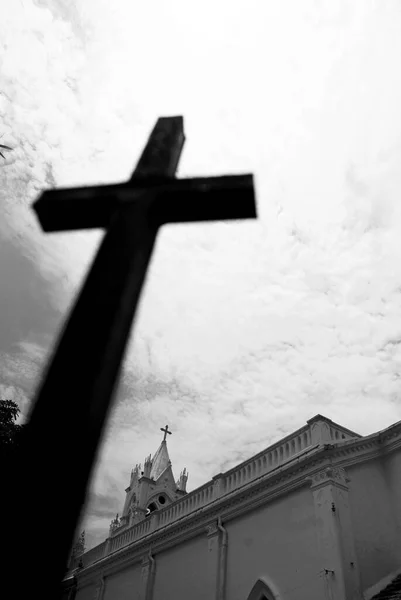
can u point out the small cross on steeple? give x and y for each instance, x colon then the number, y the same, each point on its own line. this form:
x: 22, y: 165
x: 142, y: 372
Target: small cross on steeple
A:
x: 166, y: 431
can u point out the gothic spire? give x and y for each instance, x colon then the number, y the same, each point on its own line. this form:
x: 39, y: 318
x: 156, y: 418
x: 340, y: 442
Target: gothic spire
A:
x: 161, y: 460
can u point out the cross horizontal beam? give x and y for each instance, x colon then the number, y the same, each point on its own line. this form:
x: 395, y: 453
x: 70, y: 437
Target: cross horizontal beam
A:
x: 175, y: 201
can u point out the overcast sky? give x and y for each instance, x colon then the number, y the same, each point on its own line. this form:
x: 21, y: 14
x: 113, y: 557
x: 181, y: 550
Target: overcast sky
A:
x: 245, y: 329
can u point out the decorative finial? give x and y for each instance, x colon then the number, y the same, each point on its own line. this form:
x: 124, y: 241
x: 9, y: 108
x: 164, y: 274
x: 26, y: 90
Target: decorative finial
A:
x: 166, y: 431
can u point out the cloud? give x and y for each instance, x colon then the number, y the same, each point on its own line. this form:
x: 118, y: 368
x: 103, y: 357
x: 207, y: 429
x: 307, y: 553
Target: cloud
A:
x: 245, y: 330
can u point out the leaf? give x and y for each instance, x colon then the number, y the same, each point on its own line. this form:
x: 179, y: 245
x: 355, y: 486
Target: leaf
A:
x: 6, y: 147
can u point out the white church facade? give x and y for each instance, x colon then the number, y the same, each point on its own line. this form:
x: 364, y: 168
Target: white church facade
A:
x: 314, y: 516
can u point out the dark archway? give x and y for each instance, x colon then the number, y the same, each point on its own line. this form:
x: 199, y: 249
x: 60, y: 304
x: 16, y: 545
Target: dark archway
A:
x: 261, y: 591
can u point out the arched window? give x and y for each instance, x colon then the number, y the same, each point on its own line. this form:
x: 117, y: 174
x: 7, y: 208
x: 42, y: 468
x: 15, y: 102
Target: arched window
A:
x: 261, y: 591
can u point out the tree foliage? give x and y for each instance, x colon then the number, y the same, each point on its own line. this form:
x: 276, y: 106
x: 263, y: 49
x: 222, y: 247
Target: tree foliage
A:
x: 10, y: 432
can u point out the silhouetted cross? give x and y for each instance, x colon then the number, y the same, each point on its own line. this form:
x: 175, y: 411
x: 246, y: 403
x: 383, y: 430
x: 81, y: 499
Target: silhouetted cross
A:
x: 72, y: 404
x: 166, y: 431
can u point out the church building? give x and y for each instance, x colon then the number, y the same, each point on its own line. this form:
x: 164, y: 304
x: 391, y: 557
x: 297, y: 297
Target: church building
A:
x: 315, y: 516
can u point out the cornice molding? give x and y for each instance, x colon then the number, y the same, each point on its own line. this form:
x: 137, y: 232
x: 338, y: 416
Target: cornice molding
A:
x: 212, y: 529
x: 329, y: 475
x: 362, y: 450
x: 389, y: 438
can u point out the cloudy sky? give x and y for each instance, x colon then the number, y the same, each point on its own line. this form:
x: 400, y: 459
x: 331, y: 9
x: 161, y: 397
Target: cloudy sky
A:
x: 245, y: 329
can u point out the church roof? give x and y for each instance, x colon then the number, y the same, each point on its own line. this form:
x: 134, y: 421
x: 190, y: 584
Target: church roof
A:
x: 390, y: 592
x: 161, y: 461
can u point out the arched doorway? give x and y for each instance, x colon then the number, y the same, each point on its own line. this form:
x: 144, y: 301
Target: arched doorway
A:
x: 261, y: 591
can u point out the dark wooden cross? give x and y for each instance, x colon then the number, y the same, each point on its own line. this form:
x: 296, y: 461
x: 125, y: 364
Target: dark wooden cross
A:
x: 73, y: 401
x: 166, y: 431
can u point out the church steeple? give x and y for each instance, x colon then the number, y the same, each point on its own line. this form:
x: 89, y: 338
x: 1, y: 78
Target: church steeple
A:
x: 152, y: 488
x: 161, y: 460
